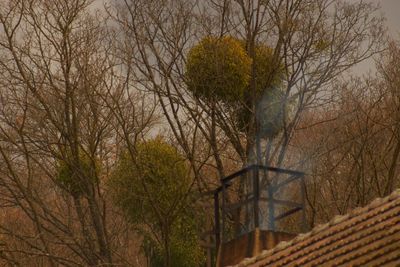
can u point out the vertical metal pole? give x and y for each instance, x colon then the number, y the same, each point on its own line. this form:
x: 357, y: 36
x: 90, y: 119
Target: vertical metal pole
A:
x: 247, y: 211
x: 222, y: 237
x: 258, y: 145
x: 217, y: 222
x: 256, y: 194
x: 271, y: 208
x: 303, y: 203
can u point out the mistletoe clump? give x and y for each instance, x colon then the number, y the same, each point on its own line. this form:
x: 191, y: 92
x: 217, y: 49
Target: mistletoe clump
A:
x: 218, y: 69
x: 76, y: 176
x: 221, y: 69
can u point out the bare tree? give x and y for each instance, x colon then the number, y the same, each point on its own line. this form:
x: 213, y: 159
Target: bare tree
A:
x: 64, y: 111
x: 355, y: 154
x: 77, y: 90
x: 314, y: 41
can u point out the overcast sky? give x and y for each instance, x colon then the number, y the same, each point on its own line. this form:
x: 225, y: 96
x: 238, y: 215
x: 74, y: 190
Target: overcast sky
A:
x: 391, y: 9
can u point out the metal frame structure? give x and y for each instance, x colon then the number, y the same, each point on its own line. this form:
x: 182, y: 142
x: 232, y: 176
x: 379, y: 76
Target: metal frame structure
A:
x: 221, y: 208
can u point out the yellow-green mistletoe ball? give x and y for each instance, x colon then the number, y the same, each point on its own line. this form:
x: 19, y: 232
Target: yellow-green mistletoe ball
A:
x: 75, y: 178
x: 218, y: 69
x: 268, y: 74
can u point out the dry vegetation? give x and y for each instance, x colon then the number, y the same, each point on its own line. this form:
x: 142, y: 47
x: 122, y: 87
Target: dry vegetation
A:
x: 80, y: 87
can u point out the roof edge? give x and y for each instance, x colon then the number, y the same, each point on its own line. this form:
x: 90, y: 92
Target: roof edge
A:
x: 321, y: 227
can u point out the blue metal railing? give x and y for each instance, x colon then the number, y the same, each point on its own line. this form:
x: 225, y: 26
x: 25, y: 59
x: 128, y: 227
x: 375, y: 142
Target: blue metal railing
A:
x: 257, y: 177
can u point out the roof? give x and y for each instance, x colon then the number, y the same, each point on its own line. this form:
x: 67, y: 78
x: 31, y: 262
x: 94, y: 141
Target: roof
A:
x: 368, y: 236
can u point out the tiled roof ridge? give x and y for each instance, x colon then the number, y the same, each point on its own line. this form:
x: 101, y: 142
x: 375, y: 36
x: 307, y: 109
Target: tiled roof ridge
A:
x: 321, y: 227
x: 343, y: 229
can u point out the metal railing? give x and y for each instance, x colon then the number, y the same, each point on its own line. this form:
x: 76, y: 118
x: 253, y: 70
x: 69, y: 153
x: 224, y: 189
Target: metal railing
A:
x: 255, y: 190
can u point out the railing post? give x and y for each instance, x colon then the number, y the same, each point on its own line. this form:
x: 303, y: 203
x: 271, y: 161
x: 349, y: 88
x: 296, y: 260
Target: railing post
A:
x: 217, y: 222
x: 222, y: 232
x: 256, y: 194
x: 303, y: 200
x: 271, y: 208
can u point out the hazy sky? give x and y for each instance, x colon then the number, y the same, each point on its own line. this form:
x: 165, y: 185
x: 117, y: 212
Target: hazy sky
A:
x: 391, y: 9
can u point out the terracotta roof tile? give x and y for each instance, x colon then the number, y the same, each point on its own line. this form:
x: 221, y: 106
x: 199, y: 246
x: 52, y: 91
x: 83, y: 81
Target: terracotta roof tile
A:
x: 368, y: 236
